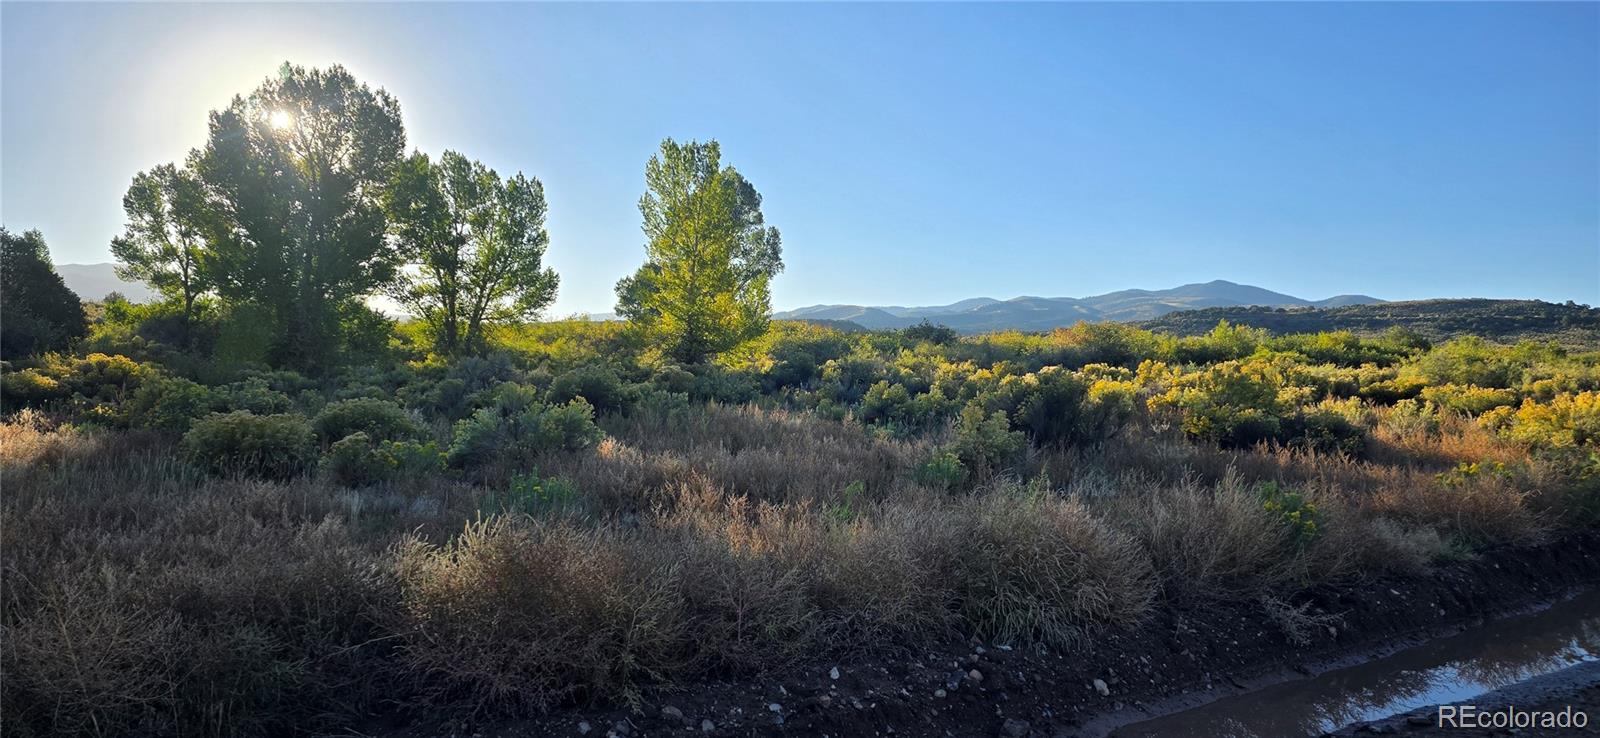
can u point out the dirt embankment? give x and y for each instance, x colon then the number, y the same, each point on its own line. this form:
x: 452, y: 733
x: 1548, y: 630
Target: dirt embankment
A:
x: 1180, y: 657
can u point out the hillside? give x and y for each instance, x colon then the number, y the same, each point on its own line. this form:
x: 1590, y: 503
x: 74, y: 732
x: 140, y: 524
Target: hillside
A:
x: 983, y: 314
x: 1496, y: 320
x: 95, y: 281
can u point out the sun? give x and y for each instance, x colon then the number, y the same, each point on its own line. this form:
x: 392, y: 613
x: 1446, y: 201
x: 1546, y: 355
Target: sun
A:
x: 280, y: 119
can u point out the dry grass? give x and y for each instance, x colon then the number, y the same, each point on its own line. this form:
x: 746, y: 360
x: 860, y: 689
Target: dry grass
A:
x: 140, y: 597
x: 1043, y: 567
x: 519, y: 615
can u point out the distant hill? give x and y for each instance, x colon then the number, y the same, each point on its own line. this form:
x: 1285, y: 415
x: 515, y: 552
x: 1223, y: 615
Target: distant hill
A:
x: 984, y: 314
x: 95, y: 281
x: 1497, y: 320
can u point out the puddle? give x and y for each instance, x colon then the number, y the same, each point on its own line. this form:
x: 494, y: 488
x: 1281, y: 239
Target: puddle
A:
x: 1446, y: 670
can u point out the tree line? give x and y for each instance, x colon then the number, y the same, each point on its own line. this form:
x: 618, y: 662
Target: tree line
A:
x: 303, y: 203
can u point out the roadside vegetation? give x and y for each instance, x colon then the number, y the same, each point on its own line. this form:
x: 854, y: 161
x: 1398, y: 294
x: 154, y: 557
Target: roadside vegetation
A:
x: 258, y: 507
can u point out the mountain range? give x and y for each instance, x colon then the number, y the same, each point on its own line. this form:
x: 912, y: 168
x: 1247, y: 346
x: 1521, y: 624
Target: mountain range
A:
x: 95, y: 281
x: 972, y: 315
x: 982, y: 314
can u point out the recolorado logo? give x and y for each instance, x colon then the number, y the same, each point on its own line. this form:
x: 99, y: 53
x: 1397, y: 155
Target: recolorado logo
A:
x: 1469, y: 716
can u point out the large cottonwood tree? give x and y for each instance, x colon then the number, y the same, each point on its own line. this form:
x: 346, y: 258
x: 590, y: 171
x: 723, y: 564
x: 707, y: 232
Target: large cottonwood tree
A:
x: 710, y: 258
x: 296, y: 172
x: 474, y: 245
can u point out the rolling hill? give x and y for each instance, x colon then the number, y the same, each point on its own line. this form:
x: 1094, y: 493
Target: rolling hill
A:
x: 982, y: 314
x: 1496, y: 320
x: 95, y: 281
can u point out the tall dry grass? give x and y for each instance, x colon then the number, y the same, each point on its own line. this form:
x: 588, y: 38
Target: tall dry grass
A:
x: 142, y: 597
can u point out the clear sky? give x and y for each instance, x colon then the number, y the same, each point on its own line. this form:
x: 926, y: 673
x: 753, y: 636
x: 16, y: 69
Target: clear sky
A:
x: 911, y: 154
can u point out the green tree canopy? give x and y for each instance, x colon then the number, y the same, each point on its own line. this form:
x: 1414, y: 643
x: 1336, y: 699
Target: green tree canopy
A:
x: 165, y: 238
x: 296, y: 173
x: 37, y: 311
x: 476, y: 246
x: 710, y: 258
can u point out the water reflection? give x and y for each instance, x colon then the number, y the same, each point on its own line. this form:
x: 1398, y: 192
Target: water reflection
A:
x: 1447, y: 670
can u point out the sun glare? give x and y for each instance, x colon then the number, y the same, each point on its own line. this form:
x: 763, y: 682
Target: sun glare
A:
x: 280, y: 119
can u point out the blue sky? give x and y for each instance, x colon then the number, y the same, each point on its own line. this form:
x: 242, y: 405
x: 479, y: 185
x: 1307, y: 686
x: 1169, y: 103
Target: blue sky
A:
x: 911, y: 154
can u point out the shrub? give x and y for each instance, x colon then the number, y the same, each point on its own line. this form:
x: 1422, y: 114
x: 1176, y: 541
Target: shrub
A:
x: 379, y: 420
x: 1211, y: 542
x: 1469, y: 399
x: 255, y: 395
x: 29, y: 388
x: 797, y: 358
x: 1044, y: 568
x: 171, y: 403
x: 886, y: 403
x: 530, y: 494
x: 1105, y: 342
x: 518, y: 427
x: 1233, y: 403
x: 1411, y: 418
x: 1291, y: 509
x: 1393, y: 390
x: 943, y: 471
x: 517, y: 615
x: 1328, y: 428
x: 986, y: 442
x: 716, y: 383
x: 353, y: 462
x: 674, y: 379
x: 106, y: 378
x: 598, y: 385
x: 270, y: 446
x: 934, y: 333
x: 1568, y: 421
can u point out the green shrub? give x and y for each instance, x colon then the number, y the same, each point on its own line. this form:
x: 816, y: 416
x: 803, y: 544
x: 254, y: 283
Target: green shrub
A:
x: 102, y: 378
x: 849, y: 507
x: 29, y: 388
x: 986, y: 442
x: 719, y: 384
x: 1469, y: 399
x: 518, y: 427
x: 411, y: 459
x: 886, y: 403
x: 598, y: 385
x: 1233, y: 403
x: 355, y: 461
x: 934, y: 333
x: 1412, y: 417
x: 674, y: 379
x: 943, y: 470
x: 532, y: 495
x: 1291, y: 508
x: 269, y: 446
x: 797, y: 358
x: 255, y: 395
x: 171, y: 403
x: 1393, y: 390
x: 1329, y: 430
x: 380, y: 420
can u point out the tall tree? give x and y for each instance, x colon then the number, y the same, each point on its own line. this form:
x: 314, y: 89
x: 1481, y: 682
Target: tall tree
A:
x: 164, y: 241
x: 476, y: 243
x: 37, y: 311
x: 709, y: 257
x: 296, y: 172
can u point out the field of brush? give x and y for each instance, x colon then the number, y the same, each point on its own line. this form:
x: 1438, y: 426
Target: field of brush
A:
x: 199, y: 549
